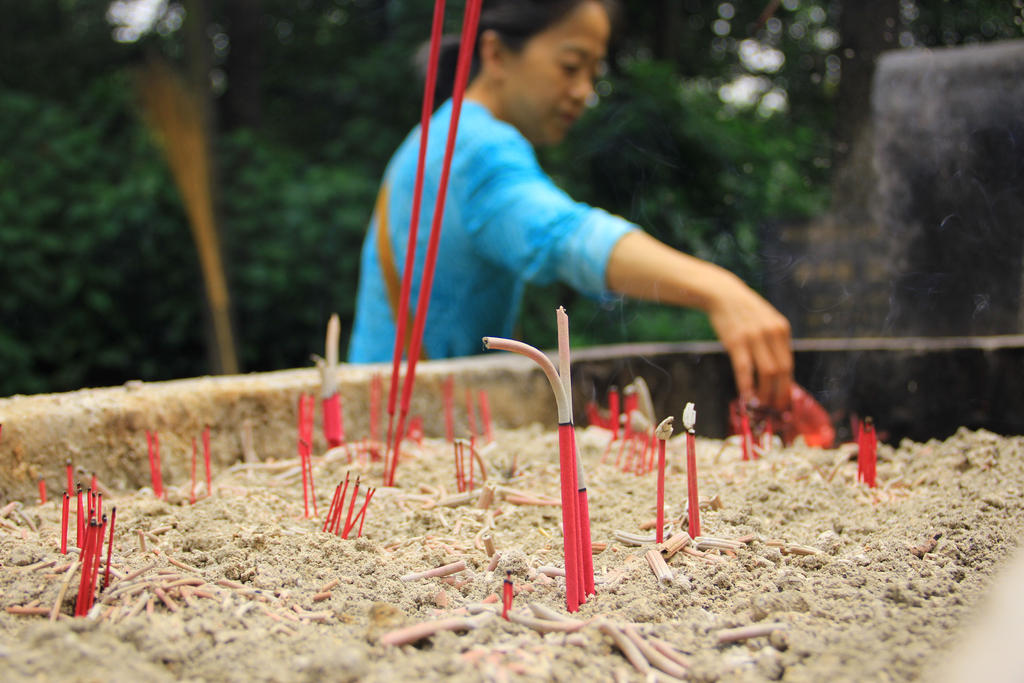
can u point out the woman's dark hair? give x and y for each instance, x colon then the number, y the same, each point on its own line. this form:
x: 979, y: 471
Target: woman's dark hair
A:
x: 515, y: 22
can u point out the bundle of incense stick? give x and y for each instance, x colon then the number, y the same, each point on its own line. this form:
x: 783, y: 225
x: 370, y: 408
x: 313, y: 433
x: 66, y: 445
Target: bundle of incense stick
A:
x: 332, y: 520
x: 466, y: 47
x: 92, y: 552
x: 579, y: 570
x: 330, y: 397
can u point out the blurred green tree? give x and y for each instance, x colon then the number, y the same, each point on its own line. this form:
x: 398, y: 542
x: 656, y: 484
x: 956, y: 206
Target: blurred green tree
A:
x: 714, y: 117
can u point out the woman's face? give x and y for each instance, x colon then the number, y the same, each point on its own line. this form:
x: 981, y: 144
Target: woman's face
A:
x: 543, y: 88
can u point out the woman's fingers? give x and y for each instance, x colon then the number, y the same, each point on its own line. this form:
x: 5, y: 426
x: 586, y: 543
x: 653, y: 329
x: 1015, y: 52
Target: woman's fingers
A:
x: 757, y: 338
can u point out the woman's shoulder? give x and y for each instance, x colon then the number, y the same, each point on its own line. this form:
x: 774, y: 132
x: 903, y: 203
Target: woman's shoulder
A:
x: 486, y: 140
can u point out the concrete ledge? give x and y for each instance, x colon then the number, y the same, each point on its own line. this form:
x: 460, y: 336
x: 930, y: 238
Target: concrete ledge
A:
x: 918, y: 387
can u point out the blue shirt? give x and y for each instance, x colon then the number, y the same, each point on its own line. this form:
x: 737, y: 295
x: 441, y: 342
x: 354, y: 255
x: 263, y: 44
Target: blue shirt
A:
x: 505, y: 225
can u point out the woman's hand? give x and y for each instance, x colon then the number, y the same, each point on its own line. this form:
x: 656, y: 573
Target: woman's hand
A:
x: 755, y: 335
x: 757, y: 339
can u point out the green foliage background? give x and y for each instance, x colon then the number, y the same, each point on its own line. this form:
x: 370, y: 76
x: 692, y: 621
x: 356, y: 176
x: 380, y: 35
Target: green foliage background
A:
x: 99, y: 278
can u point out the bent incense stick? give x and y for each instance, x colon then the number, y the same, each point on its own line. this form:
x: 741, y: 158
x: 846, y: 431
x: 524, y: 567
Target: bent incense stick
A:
x: 402, y: 314
x: 692, y: 501
x: 567, y: 462
x: 663, y: 433
x: 469, y: 25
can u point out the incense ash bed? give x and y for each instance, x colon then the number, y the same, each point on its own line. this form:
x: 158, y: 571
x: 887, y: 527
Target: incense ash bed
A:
x: 800, y: 573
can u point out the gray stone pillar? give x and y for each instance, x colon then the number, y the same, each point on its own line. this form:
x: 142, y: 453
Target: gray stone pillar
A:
x: 949, y: 157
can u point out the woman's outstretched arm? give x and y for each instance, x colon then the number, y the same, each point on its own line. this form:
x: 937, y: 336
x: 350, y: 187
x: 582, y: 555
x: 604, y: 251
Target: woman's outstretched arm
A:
x: 755, y: 335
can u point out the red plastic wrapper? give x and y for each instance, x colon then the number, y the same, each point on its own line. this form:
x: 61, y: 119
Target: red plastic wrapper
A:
x: 805, y: 417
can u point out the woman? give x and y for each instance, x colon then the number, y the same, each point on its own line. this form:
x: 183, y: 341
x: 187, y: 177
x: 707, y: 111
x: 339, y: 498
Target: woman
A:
x: 507, y: 225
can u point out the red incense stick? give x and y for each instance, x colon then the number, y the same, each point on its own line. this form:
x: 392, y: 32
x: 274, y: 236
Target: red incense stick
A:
x: 71, y: 478
x: 206, y: 461
x: 310, y: 410
x: 469, y: 25
x: 402, y: 314
x: 42, y: 491
x: 351, y: 507
x: 64, y: 511
x: 614, y: 410
x: 110, y: 546
x: 507, y: 594
x: 448, y: 391
x: 83, y: 582
x: 692, y: 500
x: 333, y: 433
x: 331, y: 508
x: 302, y: 450
x: 362, y: 513
x: 192, y: 491
x: 745, y: 434
x: 485, y: 415
x: 867, y: 452
x: 80, y: 520
x: 336, y: 522
x: 663, y: 432
x: 470, y: 414
x: 158, y: 475
x: 375, y: 407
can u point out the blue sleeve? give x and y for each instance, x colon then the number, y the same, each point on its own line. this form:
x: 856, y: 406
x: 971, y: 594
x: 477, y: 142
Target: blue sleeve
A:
x: 520, y: 220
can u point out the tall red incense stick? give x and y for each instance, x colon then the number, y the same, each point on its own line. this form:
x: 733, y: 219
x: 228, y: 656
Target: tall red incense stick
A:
x: 567, y: 464
x: 582, y: 511
x: 71, y: 478
x: 402, y: 314
x: 692, y: 500
x: 469, y: 24
x: 663, y: 432
x: 42, y: 491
